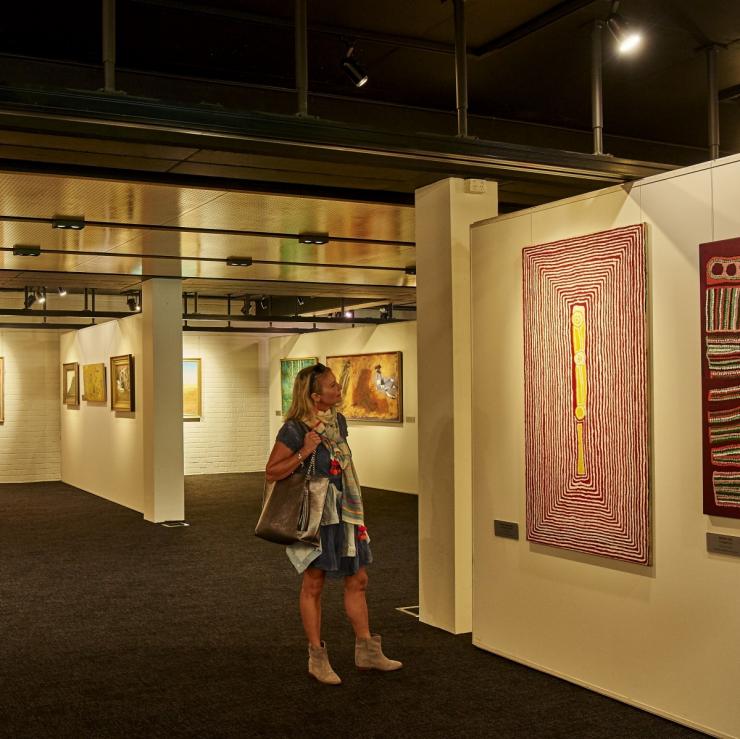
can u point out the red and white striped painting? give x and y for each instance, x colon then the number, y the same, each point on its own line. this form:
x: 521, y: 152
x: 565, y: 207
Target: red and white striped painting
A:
x: 585, y: 392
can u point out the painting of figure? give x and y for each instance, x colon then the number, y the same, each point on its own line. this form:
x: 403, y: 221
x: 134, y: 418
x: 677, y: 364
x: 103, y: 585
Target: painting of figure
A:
x: 586, y: 394
x: 122, y: 388
x: 93, y: 378
x: 371, y: 386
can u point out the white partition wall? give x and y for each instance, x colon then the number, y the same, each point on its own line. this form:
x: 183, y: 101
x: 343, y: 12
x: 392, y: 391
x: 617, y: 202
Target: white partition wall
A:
x: 663, y: 637
x: 385, y: 454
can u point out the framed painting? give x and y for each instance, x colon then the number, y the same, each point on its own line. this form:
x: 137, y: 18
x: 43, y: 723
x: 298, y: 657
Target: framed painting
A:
x: 372, y: 386
x: 586, y: 394
x: 719, y: 270
x: 2, y: 389
x: 71, y: 383
x: 122, y: 386
x: 93, y: 381
x: 191, y: 389
x: 289, y: 368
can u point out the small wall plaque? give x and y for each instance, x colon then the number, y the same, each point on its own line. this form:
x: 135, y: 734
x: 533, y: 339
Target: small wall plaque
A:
x: 723, y: 544
x: 506, y: 529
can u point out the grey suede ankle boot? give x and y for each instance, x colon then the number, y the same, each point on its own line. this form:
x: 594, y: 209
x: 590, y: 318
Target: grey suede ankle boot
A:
x: 319, y: 667
x: 369, y: 656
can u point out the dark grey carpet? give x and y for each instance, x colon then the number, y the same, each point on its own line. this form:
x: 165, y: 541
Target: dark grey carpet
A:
x: 114, y: 627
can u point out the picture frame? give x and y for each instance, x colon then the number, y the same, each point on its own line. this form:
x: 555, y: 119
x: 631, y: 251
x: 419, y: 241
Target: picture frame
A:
x: 122, y: 383
x: 289, y: 368
x: 192, y: 393
x: 372, y: 386
x: 94, y: 383
x: 71, y: 383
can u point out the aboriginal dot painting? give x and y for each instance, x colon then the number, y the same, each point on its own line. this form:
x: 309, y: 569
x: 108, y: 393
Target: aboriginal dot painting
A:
x: 719, y: 265
x: 585, y: 391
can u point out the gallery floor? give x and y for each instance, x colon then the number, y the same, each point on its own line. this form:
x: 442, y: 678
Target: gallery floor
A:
x: 114, y: 627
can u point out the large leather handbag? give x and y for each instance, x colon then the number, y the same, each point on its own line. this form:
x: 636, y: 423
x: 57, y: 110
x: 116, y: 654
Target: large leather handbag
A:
x: 292, y: 507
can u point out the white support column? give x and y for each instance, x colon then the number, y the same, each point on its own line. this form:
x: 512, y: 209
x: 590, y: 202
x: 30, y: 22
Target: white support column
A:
x: 164, y: 486
x: 444, y: 213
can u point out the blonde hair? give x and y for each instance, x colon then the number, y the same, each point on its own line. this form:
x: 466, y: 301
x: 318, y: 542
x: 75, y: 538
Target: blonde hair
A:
x: 305, y: 383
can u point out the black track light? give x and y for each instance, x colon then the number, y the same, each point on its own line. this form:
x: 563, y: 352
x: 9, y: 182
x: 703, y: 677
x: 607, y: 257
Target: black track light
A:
x: 41, y: 295
x: 353, y: 69
x: 311, y: 238
x: 68, y: 222
x: 62, y: 292
x: 627, y: 38
x: 133, y: 301
x: 30, y: 299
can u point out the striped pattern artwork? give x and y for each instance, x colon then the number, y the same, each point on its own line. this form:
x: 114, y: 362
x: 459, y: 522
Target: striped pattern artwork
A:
x: 720, y: 301
x: 585, y: 390
x: 723, y: 356
x: 726, y: 488
x: 722, y: 308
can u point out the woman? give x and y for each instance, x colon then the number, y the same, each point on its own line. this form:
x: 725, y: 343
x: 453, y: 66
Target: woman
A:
x: 313, y: 424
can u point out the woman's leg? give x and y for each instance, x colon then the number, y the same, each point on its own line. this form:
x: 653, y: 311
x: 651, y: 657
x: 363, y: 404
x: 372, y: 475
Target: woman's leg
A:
x: 310, y: 604
x: 355, y: 603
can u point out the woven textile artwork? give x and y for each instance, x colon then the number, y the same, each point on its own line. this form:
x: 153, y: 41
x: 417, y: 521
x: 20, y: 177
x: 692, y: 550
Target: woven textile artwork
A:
x: 719, y: 268
x: 585, y: 392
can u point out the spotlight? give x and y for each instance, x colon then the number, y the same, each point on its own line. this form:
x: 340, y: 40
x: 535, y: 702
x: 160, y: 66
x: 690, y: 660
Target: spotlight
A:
x: 349, y: 314
x: 62, y: 292
x: 19, y: 250
x: 30, y: 299
x: 308, y: 238
x: 244, y: 310
x: 410, y: 270
x: 353, y: 70
x: 301, y: 301
x: 41, y: 295
x: 626, y: 37
x: 68, y: 222
x: 133, y: 301
x: 239, y: 261
x: 263, y: 303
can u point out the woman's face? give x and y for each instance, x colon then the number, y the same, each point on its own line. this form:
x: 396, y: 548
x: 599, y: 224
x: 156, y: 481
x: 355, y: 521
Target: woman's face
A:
x: 328, y: 393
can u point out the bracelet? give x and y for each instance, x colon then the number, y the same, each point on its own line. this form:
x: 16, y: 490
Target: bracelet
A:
x: 300, y: 457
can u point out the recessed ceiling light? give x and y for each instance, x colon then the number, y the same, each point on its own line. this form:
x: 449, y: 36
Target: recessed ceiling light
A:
x: 239, y: 261
x: 308, y: 238
x: 75, y: 224
x: 19, y: 250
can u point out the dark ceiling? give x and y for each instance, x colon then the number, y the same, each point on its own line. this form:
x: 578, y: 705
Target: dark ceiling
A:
x: 658, y: 94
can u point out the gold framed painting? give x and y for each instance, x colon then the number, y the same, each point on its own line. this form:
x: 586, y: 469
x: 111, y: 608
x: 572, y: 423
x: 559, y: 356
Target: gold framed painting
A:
x: 122, y: 386
x: 71, y: 383
x: 372, y: 386
x: 192, y: 396
x: 93, y: 382
x: 2, y: 389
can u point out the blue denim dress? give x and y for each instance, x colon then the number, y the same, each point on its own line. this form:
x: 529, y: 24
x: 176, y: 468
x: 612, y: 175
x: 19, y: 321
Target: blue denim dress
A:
x: 332, y: 536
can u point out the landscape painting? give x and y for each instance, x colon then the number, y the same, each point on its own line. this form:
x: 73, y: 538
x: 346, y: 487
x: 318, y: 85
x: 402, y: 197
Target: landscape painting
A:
x: 289, y: 368
x: 191, y: 389
x: 71, y: 383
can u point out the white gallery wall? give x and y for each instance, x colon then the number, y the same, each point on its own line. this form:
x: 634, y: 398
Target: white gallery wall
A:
x: 663, y: 637
x: 233, y: 433
x: 102, y: 450
x: 29, y: 436
x: 385, y: 455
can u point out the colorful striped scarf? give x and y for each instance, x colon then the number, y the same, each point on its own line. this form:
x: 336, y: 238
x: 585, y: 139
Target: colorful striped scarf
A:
x: 326, y: 424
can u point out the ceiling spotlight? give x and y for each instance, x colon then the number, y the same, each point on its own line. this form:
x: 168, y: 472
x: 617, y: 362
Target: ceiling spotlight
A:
x: 68, y: 222
x: 133, y: 301
x: 308, y: 238
x: 239, y: 261
x: 62, y: 292
x: 410, y: 270
x: 41, y: 295
x: 349, y: 314
x: 352, y: 69
x: 301, y: 301
x: 263, y: 303
x: 19, y: 250
x: 30, y: 299
x: 627, y: 38
x: 249, y: 307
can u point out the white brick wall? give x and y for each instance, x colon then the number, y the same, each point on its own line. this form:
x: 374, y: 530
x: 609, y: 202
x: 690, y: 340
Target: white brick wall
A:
x: 30, y: 435
x: 233, y: 432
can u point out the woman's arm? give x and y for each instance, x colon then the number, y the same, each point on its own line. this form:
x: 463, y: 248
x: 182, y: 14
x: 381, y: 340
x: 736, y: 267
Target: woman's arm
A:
x: 284, y: 461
